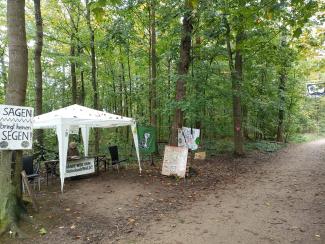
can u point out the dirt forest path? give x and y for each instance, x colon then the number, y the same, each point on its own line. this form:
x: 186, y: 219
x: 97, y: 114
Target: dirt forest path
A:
x: 283, y: 203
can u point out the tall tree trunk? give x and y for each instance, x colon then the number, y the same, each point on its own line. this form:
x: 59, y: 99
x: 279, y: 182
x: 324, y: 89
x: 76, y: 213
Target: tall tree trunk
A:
x: 245, y: 122
x: 38, y: 67
x: 282, y: 84
x: 93, y: 71
x: 114, y: 91
x: 73, y: 70
x: 120, y: 91
x: 10, y: 161
x: 81, y: 89
x: 169, y: 61
x: 130, y: 80
x: 153, y: 68
x: 149, y: 60
x: 236, y: 79
x: 126, y: 102
x: 198, y: 85
x: 280, y: 130
x: 124, y: 98
x: 185, y: 59
x: 3, y: 72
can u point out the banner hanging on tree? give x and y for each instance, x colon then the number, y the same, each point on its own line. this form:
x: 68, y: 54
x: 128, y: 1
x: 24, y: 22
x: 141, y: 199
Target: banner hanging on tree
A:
x: 147, y: 139
x: 16, y: 131
x: 316, y: 89
x: 189, y: 137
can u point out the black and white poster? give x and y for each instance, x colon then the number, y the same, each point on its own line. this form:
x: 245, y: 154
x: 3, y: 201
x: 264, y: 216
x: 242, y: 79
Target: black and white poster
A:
x: 16, y: 132
x: 81, y: 166
x: 316, y: 89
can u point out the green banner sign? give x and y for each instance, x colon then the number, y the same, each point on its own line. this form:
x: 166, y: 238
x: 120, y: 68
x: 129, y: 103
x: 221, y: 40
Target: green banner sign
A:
x: 147, y: 138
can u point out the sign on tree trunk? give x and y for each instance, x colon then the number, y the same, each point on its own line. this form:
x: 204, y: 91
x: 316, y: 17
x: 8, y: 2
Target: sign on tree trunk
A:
x: 16, y: 132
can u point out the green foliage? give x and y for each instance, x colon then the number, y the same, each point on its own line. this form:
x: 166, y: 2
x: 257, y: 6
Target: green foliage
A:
x: 264, y: 146
x: 278, y: 37
x: 301, y: 138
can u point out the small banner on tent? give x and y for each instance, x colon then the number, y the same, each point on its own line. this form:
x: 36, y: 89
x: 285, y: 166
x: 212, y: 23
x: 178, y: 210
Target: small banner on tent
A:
x: 147, y: 138
x: 189, y: 137
x: 81, y: 166
x: 175, y: 160
x: 16, y: 131
x: 74, y: 130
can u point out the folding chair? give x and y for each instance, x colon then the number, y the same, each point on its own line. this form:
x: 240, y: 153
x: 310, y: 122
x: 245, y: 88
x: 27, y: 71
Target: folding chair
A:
x: 32, y: 174
x: 113, y: 150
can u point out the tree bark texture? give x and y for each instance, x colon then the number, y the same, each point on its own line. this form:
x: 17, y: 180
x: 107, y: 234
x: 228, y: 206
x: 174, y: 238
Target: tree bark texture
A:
x: 93, y: 71
x: 10, y: 161
x: 73, y: 71
x: 237, y: 79
x: 3, y: 73
x: 153, y: 66
x: 130, y: 82
x: 153, y: 69
x: 38, y: 66
x: 282, y: 84
x: 236, y: 71
x: 281, y: 113
x: 183, y: 67
x: 81, y: 99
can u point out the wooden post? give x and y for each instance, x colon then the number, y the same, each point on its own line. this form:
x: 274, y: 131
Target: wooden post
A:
x: 29, y: 189
x: 152, y: 162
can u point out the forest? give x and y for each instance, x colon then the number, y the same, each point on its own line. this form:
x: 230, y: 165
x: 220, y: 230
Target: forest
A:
x: 237, y: 69
x: 249, y: 74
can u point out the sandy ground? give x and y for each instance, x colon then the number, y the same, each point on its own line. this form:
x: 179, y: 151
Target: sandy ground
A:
x: 263, y: 198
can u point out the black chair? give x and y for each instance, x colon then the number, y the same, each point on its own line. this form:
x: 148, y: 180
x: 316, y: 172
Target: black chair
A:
x: 31, y: 172
x: 50, y: 169
x: 113, y: 150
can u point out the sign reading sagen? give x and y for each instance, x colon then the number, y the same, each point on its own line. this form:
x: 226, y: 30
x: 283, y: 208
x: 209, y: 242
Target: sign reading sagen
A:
x: 16, y: 131
x: 80, y: 167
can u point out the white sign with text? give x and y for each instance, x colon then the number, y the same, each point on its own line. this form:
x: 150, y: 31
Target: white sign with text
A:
x: 81, y: 166
x: 16, y: 131
x: 175, y: 160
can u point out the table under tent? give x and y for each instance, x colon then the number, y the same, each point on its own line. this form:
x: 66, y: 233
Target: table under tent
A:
x: 75, y: 116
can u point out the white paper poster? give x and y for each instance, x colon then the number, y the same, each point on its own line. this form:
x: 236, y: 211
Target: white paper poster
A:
x: 188, y: 137
x: 16, y: 132
x: 175, y: 160
x: 80, y: 167
x: 74, y: 130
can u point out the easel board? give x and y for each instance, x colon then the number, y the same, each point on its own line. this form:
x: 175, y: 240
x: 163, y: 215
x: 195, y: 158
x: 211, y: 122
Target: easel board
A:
x: 29, y: 189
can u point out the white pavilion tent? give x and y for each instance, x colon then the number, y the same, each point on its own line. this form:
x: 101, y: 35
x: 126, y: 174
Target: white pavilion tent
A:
x: 75, y: 116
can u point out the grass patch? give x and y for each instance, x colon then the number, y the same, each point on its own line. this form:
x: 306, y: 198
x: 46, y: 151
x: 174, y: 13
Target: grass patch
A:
x: 301, y: 138
x: 218, y: 147
x: 264, y: 146
x: 227, y: 146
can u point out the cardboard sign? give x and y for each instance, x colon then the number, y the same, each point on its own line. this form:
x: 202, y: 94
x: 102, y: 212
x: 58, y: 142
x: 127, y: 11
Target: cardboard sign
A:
x: 175, y: 160
x: 80, y: 167
x: 16, y: 132
x: 189, y: 137
x: 200, y: 155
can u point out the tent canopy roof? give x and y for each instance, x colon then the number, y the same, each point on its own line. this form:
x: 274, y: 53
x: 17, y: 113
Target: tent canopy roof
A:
x: 76, y: 115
